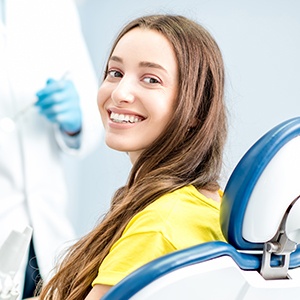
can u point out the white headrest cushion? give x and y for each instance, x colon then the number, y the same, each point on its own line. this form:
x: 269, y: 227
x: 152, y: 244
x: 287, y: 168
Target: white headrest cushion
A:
x: 277, y: 187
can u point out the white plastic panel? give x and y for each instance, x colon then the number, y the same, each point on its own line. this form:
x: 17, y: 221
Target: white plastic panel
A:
x: 293, y: 222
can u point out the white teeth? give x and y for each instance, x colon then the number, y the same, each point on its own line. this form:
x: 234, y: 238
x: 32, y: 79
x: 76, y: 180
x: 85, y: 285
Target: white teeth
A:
x: 122, y: 118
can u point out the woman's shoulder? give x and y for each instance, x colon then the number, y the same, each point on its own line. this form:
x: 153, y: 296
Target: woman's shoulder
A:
x: 187, y: 195
x: 178, y: 205
x: 181, y: 212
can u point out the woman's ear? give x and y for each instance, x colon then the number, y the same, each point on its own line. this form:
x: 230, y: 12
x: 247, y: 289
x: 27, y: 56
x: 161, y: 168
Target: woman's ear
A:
x: 194, y: 123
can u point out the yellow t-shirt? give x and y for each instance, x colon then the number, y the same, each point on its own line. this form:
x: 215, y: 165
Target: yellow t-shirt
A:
x: 175, y: 221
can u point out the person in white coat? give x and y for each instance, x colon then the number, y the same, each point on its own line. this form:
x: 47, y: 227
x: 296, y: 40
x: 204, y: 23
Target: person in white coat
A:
x: 42, y: 115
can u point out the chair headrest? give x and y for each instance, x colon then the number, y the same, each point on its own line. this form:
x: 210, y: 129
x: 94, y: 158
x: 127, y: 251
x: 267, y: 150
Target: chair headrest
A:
x: 261, y: 189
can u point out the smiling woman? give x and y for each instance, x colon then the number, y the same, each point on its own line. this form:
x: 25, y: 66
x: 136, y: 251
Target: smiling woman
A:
x: 140, y: 87
x: 161, y: 101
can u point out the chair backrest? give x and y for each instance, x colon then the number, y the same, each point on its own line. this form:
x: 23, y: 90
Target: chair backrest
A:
x: 263, y: 185
x: 261, y: 205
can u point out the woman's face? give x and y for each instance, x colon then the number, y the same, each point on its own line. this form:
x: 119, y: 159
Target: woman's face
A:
x: 137, y: 98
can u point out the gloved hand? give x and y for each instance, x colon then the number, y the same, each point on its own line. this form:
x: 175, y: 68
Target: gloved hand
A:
x: 58, y: 101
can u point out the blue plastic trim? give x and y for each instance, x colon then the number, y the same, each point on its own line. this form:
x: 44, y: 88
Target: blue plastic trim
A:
x: 244, y: 177
x: 143, y: 276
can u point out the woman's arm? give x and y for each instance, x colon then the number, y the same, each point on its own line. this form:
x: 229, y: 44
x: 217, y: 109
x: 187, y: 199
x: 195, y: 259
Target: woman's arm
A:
x: 98, y: 291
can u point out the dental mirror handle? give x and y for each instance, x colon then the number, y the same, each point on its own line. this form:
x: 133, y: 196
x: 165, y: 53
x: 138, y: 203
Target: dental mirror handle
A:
x: 27, y: 107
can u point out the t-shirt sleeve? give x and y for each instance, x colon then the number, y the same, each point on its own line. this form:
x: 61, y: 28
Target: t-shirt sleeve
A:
x: 129, y: 253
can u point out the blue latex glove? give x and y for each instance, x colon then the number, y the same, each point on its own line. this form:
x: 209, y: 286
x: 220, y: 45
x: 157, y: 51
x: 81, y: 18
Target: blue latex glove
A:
x: 58, y: 101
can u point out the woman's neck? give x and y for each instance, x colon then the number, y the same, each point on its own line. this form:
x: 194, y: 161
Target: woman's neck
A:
x: 211, y: 194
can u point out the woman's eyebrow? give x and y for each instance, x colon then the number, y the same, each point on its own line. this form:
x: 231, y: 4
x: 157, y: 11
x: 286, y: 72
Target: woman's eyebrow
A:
x: 116, y: 58
x: 152, y: 65
x: 144, y: 64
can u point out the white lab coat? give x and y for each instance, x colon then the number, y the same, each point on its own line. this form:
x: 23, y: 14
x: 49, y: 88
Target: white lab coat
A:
x: 41, y: 39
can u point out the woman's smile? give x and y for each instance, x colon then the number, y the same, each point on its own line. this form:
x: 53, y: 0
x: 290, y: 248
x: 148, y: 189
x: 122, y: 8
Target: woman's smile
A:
x: 124, y: 117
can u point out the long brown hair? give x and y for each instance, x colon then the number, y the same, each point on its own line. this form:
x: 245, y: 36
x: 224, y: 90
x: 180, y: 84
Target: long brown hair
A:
x: 189, y: 151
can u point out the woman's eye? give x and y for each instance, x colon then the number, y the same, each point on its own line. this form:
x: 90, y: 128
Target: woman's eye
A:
x: 114, y: 73
x: 151, y: 80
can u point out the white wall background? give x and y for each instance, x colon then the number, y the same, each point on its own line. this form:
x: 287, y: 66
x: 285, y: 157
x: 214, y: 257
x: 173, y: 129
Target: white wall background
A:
x: 260, y: 42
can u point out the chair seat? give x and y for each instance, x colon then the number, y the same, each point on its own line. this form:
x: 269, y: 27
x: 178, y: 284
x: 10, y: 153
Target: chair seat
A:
x: 178, y: 260
x: 216, y: 270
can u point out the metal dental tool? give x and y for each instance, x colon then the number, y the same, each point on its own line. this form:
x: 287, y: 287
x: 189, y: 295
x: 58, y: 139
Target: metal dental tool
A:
x: 7, y: 124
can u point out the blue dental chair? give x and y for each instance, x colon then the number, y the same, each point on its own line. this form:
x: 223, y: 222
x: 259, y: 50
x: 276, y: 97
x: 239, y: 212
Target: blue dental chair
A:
x: 260, y: 219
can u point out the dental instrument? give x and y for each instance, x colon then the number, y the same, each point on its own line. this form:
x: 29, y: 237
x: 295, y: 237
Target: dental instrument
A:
x: 8, y: 124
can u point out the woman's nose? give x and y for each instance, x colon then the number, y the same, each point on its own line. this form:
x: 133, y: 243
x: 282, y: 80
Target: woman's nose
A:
x: 123, y: 92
